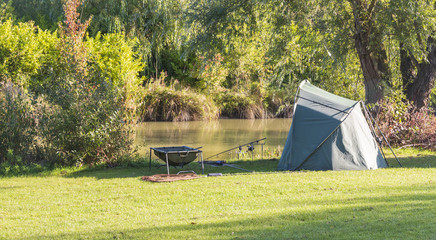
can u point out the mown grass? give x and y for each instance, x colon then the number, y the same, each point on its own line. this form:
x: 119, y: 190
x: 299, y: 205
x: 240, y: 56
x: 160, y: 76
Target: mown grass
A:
x: 393, y: 203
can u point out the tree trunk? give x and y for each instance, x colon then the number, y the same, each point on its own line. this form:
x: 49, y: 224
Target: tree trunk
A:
x: 417, y: 85
x: 372, y: 79
x: 407, y: 68
x: 372, y: 59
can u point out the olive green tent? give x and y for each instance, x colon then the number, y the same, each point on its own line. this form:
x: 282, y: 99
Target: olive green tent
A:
x: 329, y: 132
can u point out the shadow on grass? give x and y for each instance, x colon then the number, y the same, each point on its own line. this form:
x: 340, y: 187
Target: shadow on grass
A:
x: 409, y: 215
x: 413, y: 162
x: 232, y: 167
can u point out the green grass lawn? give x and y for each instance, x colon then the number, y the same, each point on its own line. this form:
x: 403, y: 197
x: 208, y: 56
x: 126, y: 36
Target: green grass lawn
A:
x: 393, y: 203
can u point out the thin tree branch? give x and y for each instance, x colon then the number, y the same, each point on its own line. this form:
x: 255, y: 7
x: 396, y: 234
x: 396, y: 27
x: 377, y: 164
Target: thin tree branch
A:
x: 371, y: 8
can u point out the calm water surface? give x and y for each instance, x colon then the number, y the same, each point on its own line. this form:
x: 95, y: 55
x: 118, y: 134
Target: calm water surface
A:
x: 213, y: 136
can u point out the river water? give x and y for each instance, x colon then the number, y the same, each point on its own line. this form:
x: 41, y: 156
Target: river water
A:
x: 214, y: 136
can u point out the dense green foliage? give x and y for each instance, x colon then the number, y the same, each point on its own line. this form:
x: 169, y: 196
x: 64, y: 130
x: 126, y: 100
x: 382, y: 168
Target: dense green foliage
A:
x: 162, y: 103
x: 172, y: 38
x: 20, y: 51
x: 209, y: 45
x: 17, y: 125
x: 64, y: 102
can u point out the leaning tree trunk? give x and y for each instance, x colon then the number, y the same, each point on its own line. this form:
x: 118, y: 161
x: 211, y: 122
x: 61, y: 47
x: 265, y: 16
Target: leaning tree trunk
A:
x: 417, y: 85
x: 372, y: 79
x: 407, y: 69
x: 372, y: 56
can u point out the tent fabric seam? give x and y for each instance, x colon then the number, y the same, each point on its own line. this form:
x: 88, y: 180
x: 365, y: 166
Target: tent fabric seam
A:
x: 325, y: 105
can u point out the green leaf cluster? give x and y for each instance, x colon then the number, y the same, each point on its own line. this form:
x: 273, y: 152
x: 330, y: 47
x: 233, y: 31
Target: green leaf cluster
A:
x: 21, y: 50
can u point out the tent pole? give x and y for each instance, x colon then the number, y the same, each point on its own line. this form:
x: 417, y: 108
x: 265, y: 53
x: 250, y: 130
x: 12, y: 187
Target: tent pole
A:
x: 149, y: 163
x: 384, y: 138
x: 383, y: 153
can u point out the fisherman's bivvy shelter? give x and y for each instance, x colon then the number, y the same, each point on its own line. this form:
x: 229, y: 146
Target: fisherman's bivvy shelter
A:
x: 329, y: 132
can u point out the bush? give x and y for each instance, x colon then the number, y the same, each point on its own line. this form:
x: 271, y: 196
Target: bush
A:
x: 76, y: 111
x: 403, y: 125
x: 211, y: 75
x: 239, y: 105
x: 20, y: 51
x: 161, y: 103
x: 86, y: 126
x: 83, y: 120
x: 113, y: 58
x: 17, y: 125
x: 14, y: 165
x: 280, y: 101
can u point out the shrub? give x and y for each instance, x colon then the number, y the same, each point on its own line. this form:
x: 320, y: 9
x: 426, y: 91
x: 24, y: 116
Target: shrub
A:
x: 161, y: 103
x: 86, y: 126
x: 14, y: 165
x: 403, y: 125
x: 84, y: 120
x: 280, y: 101
x: 20, y: 51
x: 17, y: 125
x: 239, y: 105
x: 6, y: 10
x: 77, y: 116
x: 114, y: 59
x: 212, y: 74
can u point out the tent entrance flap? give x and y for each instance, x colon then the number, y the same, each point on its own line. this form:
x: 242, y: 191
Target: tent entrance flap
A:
x: 328, y: 132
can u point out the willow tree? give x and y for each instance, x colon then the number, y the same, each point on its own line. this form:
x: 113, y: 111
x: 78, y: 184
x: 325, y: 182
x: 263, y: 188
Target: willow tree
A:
x: 414, y: 24
x: 374, y: 24
x: 369, y: 28
x: 260, y: 43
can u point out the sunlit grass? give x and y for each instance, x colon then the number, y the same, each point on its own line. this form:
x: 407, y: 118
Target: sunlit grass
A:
x: 393, y: 203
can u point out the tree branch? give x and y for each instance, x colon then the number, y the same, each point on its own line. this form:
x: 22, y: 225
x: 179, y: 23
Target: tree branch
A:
x: 414, y: 60
x: 371, y: 8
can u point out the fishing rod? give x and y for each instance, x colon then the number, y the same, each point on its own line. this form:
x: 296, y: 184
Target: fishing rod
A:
x: 223, y: 163
x: 238, y: 147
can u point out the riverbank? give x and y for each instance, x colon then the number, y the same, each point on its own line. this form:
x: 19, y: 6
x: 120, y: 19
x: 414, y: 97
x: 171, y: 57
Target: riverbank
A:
x: 174, y: 102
